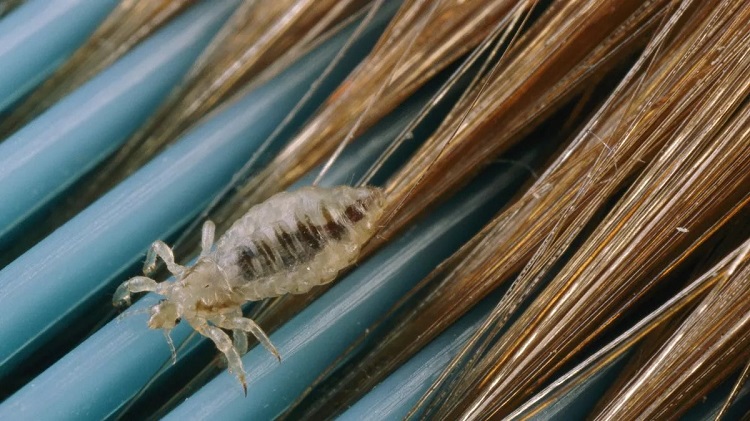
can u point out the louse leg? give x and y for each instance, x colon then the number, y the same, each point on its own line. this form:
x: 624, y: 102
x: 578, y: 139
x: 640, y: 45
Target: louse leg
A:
x: 224, y: 344
x: 207, y: 237
x: 132, y: 285
x: 239, y: 338
x: 162, y: 250
x: 248, y: 325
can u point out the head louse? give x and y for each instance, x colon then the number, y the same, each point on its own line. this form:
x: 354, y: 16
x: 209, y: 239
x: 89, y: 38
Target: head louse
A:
x: 288, y: 244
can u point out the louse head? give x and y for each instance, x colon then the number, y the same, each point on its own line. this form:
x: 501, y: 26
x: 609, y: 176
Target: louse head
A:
x: 191, y: 285
x: 164, y: 315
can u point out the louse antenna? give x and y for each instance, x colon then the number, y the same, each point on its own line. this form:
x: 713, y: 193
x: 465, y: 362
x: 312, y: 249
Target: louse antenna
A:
x: 170, y: 342
x: 435, y: 100
x: 314, y: 87
x: 355, y: 127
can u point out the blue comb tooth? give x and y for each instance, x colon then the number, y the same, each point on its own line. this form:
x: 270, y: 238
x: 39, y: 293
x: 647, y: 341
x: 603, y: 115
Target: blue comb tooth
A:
x: 42, y: 159
x: 52, y: 30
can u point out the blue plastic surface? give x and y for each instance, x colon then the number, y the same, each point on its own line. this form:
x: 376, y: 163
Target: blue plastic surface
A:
x: 396, y: 395
x: 37, y: 37
x: 42, y: 159
x: 83, y: 259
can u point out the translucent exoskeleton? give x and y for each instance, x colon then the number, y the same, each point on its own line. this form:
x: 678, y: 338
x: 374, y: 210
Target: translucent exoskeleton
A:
x: 288, y: 244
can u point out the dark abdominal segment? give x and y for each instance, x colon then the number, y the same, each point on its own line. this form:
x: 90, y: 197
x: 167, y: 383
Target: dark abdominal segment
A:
x: 288, y: 248
x: 335, y: 229
x: 255, y: 262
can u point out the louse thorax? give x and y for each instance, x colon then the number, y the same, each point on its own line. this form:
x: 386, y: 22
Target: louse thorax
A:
x: 203, y: 288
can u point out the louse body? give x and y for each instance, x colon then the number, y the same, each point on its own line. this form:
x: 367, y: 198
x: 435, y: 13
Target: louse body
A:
x: 288, y: 244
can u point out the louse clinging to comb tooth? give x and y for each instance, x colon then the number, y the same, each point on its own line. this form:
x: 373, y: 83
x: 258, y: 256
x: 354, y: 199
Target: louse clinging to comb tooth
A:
x: 288, y: 244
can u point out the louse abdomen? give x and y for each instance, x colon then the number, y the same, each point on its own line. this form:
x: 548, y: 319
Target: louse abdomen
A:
x: 321, y: 234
